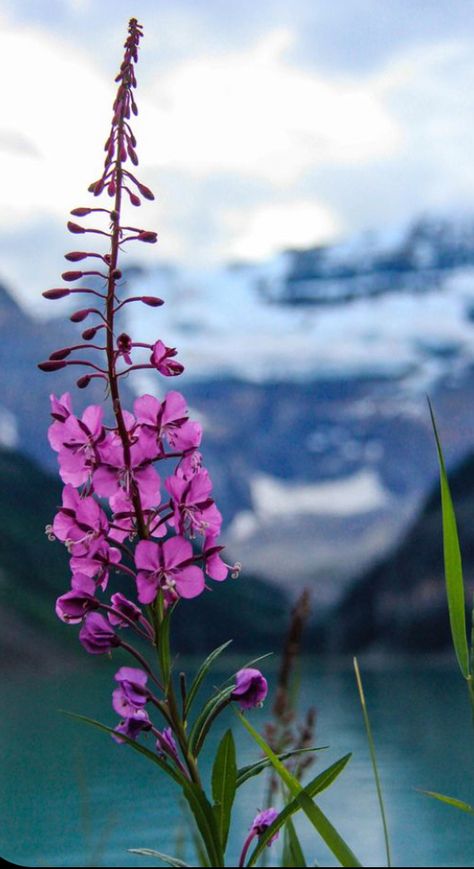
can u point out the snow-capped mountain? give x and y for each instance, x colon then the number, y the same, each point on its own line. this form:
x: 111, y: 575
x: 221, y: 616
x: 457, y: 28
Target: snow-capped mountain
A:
x: 309, y: 373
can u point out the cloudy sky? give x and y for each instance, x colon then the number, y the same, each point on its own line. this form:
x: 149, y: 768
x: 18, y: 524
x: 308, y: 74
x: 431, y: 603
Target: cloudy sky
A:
x: 262, y: 124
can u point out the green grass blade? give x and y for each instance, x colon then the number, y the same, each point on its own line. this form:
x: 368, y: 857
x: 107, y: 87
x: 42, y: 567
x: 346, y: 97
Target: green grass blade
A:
x: 450, y: 801
x: 452, y: 563
x: 246, y: 772
x: 328, y: 833
x: 373, y: 758
x: 165, y: 858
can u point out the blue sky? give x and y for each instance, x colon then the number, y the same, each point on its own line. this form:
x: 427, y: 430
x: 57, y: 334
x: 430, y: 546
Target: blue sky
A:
x: 263, y: 124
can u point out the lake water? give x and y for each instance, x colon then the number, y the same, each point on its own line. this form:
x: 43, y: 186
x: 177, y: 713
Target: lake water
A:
x: 71, y: 797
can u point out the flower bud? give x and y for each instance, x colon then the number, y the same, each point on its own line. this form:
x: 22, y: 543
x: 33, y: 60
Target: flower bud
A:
x: 74, y: 227
x: 251, y: 688
x: 51, y: 365
x: 89, y: 334
x: 134, y: 199
x: 149, y: 237
x: 152, y: 301
x: 79, y: 316
x: 72, y: 276
x: 75, y: 255
x: 81, y: 212
x: 111, y: 188
x: 57, y: 293
x: 145, y: 191
x: 83, y: 381
x: 60, y: 354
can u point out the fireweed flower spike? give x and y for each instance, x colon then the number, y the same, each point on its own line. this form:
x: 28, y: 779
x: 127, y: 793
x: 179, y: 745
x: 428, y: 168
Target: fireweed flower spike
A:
x: 261, y: 823
x: 120, y: 518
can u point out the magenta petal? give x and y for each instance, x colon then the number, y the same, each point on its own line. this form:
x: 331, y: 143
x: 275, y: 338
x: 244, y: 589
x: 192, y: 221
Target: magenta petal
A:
x: 105, y: 482
x: 216, y: 569
x: 92, y: 418
x: 175, y: 551
x: 189, y: 581
x: 147, y: 555
x: 147, y: 587
x: 147, y: 408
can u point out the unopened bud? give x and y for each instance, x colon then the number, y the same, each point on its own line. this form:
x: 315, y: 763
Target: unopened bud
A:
x: 72, y: 276
x: 99, y: 186
x: 146, y: 192
x: 75, y: 255
x: 133, y: 156
x: 89, y: 334
x: 149, y: 237
x: 79, y: 316
x: 81, y: 212
x: 74, y: 227
x: 111, y: 188
x: 152, y: 301
x: 58, y: 293
x: 51, y: 366
x: 134, y: 199
x: 83, y: 381
x: 116, y: 274
x: 60, y: 354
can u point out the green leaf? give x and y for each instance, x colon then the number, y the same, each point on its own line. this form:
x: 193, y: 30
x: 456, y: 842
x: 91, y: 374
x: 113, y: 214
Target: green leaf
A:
x: 165, y: 858
x: 373, y: 758
x: 141, y: 749
x: 293, y: 852
x: 452, y: 563
x: 201, y: 673
x: 322, y: 825
x: 224, y: 784
x: 450, y: 801
x: 316, y: 786
x: 246, y: 772
x: 206, y: 716
x: 205, y: 821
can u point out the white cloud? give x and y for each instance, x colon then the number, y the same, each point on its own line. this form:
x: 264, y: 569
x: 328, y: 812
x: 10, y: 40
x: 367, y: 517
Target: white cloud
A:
x: 263, y: 230
x: 252, y: 112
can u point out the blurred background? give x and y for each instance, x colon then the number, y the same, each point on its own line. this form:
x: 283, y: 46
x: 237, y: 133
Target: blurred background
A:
x: 314, y: 173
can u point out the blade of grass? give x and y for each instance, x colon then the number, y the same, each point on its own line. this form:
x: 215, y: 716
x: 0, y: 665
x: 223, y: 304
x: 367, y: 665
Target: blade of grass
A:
x: 450, y: 801
x: 373, y: 758
x: 452, y: 563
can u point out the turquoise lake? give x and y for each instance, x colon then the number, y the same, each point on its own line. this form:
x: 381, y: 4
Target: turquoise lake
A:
x: 71, y: 797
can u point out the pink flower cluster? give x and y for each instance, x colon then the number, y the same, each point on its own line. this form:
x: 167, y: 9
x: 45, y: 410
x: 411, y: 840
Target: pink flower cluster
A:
x: 97, y: 520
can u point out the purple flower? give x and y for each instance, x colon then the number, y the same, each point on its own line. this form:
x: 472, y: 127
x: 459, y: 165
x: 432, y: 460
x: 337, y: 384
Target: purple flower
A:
x: 112, y: 475
x: 96, y: 561
x: 194, y: 509
x: 166, y: 743
x: 168, y: 418
x: 162, y: 359
x: 132, y: 693
x: 132, y: 726
x: 72, y: 606
x: 123, y: 607
x: 75, y: 440
x: 79, y: 522
x: 167, y: 566
x: 264, y: 820
x: 97, y: 636
x: 251, y: 688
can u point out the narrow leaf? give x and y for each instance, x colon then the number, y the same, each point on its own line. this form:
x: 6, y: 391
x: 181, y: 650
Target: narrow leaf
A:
x: 200, y: 726
x: 224, y: 785
x: 141, y: 749
x: 452, y: 563
x: 201, y: 673
x: 165, y: 858
x: 246, y: 772
x: 450, y: 801
x: 206, y: 822
x: 294, y: 856
x: 316, y: 786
